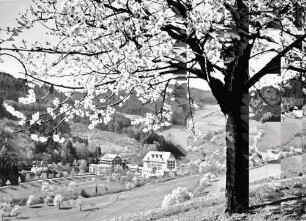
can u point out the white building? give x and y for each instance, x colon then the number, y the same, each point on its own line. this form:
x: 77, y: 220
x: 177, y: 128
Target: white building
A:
x: 38, y: 169
x: 100, y: 168
x: 158, y: 163
x: 106, y: 165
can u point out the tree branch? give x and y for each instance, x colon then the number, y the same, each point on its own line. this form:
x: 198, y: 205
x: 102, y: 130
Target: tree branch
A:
x: 265, y: 70
x: 301, y: 70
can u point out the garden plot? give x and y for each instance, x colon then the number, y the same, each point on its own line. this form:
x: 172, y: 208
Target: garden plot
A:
x: 111, y: 205
x: 34, y: 188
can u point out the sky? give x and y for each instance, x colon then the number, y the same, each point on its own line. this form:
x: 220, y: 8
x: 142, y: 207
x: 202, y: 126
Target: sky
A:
x: 9, y: 10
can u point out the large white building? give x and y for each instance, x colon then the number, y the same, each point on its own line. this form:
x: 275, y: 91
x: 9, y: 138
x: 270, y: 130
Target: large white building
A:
x: 158, y: 163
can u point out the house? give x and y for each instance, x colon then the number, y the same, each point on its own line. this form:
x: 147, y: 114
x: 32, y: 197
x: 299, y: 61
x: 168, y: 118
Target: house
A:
x: 158, y: 163
x: 106, y: 164
x: 38, y: 167
x: 111, y: 159
x: 100, y: 168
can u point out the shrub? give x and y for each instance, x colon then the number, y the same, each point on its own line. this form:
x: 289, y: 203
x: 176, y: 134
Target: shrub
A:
x: 84, y: 193
x: 115, y: 176
x: 70, y: 202
x: 48, y: 200
x: 178, y: 195
x: 28, y: 177
x: 80, y: 202
x: 31, y: 200
x: 58, y: 200
x: 19, y: 201
x: 15, y: 211
x: 262, y: 193
x: 46, y: 187
x: 1, y: 214
x: 130, y: 185
x: 83, y: 166
x: 207, y: 178
x: 5, y: 208
x: 71, y: 185
x: 211, y: 165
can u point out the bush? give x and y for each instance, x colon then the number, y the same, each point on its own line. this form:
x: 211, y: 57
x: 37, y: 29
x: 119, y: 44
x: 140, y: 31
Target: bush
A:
x: 262, y: 193
x: 46, y: 187
x: 48, y: 200
x: 28, y: 177
x: 15, y: 211
x: 83, y: 166
x: 178, y: 195
x: 207, y: 178
x: 31, y: 200
x: 71, y: 185
x: 211, y: 165
x: 80, y: 202
x: 58, y: 200
x: 70, y: 202
x: 1, y: 214
x: 84, y: 194
x: 19, y: 201
x: 130, y: 185
x: 5, y: 206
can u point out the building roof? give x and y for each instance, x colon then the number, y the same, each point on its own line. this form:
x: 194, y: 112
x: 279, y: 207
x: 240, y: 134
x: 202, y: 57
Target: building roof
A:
x: 158, y: 156
x: 109, y: 157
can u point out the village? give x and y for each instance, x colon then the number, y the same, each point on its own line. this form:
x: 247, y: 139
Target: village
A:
x: 154, y: 164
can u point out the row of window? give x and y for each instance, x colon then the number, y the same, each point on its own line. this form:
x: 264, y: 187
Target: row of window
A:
x: 171, y: 164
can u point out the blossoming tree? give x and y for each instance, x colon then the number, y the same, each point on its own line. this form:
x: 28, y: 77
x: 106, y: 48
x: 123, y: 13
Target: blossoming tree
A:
x: 58, y: 200
x: 31, y: 200
x: 111, y: 49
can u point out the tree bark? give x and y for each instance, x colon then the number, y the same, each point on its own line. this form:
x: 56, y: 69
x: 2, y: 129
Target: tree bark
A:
x: 237, y: 161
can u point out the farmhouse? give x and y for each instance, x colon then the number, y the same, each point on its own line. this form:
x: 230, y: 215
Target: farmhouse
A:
x: 111, y: 159
x: 158, y: 163
x: 106, y: 165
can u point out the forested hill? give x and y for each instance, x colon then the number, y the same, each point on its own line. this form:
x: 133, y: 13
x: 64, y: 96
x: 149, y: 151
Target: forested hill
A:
x: 77, y: 145
x: 11, y: 89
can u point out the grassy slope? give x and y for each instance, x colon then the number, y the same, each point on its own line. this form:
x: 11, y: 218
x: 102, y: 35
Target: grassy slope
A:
x: 109, y: 206
x: 24, y: 190
x: 115, y: 141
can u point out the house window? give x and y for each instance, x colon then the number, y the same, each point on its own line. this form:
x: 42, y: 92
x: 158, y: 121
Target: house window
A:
x: 171, y: 164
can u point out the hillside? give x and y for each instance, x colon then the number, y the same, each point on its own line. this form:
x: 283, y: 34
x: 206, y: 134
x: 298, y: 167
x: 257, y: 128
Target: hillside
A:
x: 110, y: 142
x: 117, y: 137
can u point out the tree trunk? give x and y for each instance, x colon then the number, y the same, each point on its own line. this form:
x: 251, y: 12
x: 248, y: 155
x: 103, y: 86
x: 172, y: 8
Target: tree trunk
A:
x: 237, y: 160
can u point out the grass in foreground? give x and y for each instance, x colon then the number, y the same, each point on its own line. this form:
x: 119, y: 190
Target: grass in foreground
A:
x: 284, y: 201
